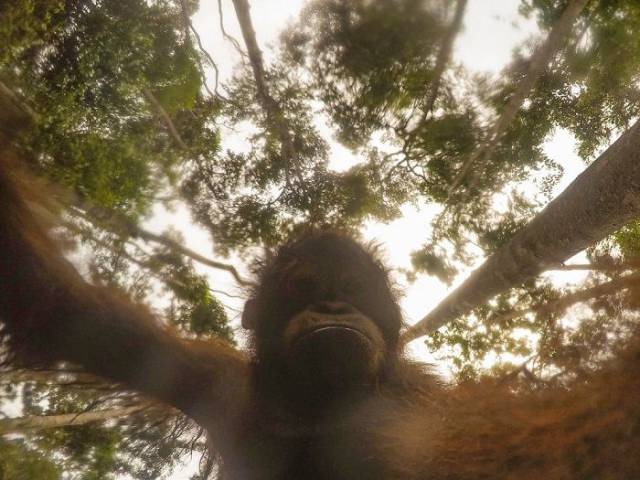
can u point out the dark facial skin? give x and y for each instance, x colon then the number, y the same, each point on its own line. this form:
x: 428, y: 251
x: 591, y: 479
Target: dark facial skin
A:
x: 324, y: 326
x: 333, y: 344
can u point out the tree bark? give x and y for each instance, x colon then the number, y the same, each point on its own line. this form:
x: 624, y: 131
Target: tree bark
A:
x: 601, y: 200
x: 537, y: 65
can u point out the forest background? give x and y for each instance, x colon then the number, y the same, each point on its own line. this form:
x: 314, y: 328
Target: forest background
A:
x: 189, y: 138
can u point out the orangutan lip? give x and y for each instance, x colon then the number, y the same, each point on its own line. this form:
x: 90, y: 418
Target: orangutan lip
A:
x: 330, y: 327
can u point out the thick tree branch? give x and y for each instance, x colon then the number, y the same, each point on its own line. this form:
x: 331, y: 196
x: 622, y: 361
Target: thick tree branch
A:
x: 571, y: 299
x: 537, y: 66
x: 602, y: 199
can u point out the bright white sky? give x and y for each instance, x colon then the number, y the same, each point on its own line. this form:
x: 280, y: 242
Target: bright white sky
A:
x: 492, y: 29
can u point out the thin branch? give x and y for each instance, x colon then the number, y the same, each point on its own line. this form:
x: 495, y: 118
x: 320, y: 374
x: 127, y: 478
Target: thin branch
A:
x: 230, y: 38
x: 145, y: 265
x: 513, y: 374
x: 275, y: 116
x: 177, y: 247
x: 565, y: 302
x: 227, y: 294
x: 444, y: 54
x: 41, y: 422
x: 189, y: 27
x: 171, y: 128
x: 120, y: 225
x: 537, y: 66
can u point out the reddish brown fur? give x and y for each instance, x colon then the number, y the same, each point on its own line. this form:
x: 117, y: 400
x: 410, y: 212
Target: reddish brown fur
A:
x: 412, y: 429
x: 482, y: 431
x: 50, y: 313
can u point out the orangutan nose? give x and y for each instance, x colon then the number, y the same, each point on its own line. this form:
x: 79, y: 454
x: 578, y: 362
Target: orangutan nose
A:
x: 333, y: 308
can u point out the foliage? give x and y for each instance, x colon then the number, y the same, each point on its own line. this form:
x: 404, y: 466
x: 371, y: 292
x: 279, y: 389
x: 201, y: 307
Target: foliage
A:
x: 260, y: 196
x: 372, y: 66
x: 86, y: 80
x: 20, y: 462
x: 371, y: 61
x: 592, y: 89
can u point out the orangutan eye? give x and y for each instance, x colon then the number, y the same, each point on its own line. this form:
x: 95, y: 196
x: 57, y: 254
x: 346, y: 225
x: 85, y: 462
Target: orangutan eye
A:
x: 352, y: 285
x: 302, y: 285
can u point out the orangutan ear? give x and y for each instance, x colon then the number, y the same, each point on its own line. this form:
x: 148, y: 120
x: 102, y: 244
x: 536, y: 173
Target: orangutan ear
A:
x: 249, y: 315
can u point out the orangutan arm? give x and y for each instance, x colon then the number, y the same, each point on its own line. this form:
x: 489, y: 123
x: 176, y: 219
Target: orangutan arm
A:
x: 49, y: 314
x: 484, y: 431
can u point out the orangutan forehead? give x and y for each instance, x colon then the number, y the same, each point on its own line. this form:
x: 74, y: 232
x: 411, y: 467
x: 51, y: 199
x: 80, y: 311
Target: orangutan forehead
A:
x: 328, y: 250
x: 317, y: 264
x: 324, y: 258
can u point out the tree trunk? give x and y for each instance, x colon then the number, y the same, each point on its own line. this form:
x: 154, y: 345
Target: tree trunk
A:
x: 253, y: 50
x: 537, y: 65
x: 601, y: 200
